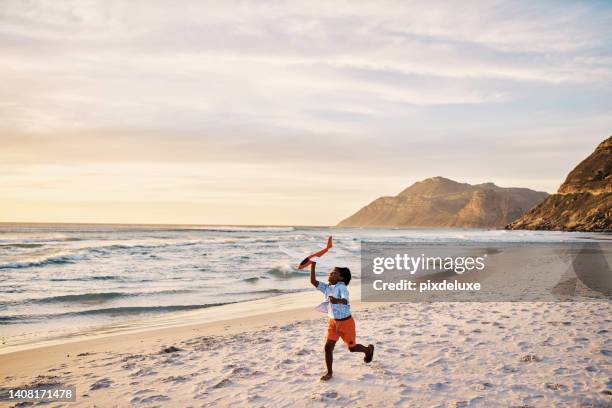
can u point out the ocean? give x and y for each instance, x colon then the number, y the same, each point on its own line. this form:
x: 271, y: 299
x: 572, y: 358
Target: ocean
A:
x: 58, y: 279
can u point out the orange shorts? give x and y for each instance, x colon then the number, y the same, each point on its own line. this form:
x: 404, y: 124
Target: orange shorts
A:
x: 344, y: 329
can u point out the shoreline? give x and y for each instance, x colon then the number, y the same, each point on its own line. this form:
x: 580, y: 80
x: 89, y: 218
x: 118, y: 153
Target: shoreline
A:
x: 23, y: 360
x: 306, y: 299
x: 43, y: 356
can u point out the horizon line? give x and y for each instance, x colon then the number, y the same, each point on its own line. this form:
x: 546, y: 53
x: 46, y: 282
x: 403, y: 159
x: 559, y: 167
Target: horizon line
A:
x: 153, y: 224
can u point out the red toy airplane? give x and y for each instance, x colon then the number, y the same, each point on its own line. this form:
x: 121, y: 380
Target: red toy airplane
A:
x: 307, y: 261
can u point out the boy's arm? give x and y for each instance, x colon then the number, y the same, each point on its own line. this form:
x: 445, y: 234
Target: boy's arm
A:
x: 343, y: 299
x: 313, y: 279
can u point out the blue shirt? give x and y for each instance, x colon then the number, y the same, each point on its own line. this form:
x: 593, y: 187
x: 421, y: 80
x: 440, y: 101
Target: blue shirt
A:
x: 339, y: 291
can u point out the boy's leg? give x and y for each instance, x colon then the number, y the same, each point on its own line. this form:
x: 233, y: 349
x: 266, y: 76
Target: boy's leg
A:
x: 349, y: 335
x: 329, y: 358
x: 358, y: 348
x: 368, y: 351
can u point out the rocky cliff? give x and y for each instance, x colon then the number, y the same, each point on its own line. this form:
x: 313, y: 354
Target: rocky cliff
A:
x: 440, y: 202
x: 582, y: 203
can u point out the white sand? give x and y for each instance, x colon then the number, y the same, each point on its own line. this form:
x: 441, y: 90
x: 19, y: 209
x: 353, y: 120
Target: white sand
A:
x: 442, y: 354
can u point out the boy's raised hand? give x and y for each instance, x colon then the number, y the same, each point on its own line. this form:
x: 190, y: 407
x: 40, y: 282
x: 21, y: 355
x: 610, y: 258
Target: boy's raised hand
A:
x: 313, y: 278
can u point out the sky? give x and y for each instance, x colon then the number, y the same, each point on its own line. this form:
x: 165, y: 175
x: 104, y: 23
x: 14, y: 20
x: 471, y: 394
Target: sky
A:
x: 289, y: 113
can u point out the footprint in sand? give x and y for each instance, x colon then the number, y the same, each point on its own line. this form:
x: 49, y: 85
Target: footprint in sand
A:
x: 253, y: 397
x: 439, y: 386
x: 244, y: 372
x: 176, y: 379
x: 406, y: 389
x: 223, y: 383
x: 103, y: 383
x: 329, y: 395
x: 485, y: 385
x: 530, y: 358
x: 146, y: 390
x: 136, y: 357
x: 555, y: 387
x: 144, y: 372
x: 150, y: 399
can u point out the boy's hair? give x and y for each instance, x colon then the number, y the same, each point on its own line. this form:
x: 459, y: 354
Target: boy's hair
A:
x: 345, y: 273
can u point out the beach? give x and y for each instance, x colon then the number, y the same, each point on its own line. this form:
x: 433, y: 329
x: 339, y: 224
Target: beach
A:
x: 435, y: 355
x: 220, y: 316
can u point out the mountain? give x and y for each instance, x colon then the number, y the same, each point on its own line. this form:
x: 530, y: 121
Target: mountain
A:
x: 440, y: 202
x: 582, y: 203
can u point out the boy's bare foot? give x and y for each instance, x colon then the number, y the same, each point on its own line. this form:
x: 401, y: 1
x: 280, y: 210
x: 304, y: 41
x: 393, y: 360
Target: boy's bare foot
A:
x: 370, y: 354
x: 326, y: 377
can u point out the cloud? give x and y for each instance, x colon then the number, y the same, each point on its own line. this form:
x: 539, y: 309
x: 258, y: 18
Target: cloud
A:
x: 357, y: 92
x: 86, y: 64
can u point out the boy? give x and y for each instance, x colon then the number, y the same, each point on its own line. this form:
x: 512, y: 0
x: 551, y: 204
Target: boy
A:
x: 341, y: 323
